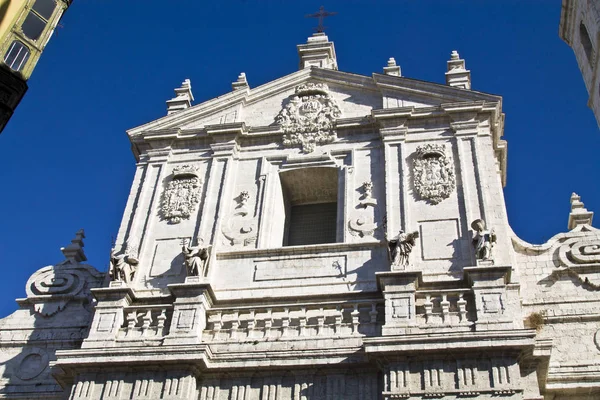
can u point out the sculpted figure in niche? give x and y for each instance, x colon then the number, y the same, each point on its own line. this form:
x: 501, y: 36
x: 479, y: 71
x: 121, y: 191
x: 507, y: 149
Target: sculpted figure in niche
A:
x: 401, y: 246
x: 123, y: 266
x: 483, y: 240
x: 195, y: 259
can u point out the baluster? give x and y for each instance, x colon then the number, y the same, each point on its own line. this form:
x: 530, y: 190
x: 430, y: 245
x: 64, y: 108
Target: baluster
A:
x: 285, y: 322
x: 235, y: 324
x: 218, y: 324
x: 252, y: 323
x: 132, y: 319
x: 146, y: 322
x: 373, y: 313
x: 445, y: 308
x: 462, y: 308
x: 355, y: 319
x: 162, y: 318
x: 320, y: 321
x: 268, y: 322
x: 338, y: 319
x: 302, y: 322
x: 428, y: 306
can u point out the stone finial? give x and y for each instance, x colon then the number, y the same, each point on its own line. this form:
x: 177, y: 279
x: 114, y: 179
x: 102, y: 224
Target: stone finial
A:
x: 392, y: 68
x: 317, y: 52
x: 241, y: 82
x: 183, y: 98
x: 457, y: 74
x: 74, y: 251
x: 579, y: 214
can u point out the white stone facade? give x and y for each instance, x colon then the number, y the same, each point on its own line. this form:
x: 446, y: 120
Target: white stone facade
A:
x: 207, y: 298
x: 580, y: 29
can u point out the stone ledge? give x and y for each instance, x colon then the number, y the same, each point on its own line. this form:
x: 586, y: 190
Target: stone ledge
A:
x: 516, y: 339
x: 295, y: 250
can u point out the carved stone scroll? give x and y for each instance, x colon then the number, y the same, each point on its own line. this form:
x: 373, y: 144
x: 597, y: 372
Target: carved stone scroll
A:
x: 50, y: 289
x: 433, y: 173
x: 577, y: 257
x: 309, y: 117
x: 182, y: 194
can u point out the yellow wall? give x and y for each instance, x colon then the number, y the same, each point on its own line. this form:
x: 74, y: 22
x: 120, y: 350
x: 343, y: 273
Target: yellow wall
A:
x: 9, y: 11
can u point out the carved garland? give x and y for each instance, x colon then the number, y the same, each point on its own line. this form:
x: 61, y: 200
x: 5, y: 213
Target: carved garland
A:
x: 433, y: 173
x: 182, y: 194
x: 240, y: 227
x: 309, y: 117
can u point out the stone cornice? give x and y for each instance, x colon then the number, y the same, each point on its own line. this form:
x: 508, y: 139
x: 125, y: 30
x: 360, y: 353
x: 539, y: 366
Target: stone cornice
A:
x: 517, y: 339
x: 430, y: 89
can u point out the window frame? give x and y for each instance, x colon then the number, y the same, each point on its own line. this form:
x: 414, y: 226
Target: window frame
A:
x: 25, y: 59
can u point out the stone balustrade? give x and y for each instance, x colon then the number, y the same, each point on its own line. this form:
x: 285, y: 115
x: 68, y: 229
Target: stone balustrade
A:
x: 145, y: 323
x: 447, y: 307
x: 292, y: 321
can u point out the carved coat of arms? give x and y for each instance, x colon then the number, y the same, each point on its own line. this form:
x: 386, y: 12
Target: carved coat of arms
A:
x: 182, y: 194
x: 433, y: 173
x: 309, y: 117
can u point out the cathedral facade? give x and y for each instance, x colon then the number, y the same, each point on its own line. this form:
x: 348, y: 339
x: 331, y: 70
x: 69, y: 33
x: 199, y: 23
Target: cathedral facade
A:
x: 325, y: 235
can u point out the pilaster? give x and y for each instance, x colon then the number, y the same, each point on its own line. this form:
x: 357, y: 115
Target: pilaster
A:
x: 109, y: 315
x: 398, y: 290
x: 493, y: 296
x: 189, y: 312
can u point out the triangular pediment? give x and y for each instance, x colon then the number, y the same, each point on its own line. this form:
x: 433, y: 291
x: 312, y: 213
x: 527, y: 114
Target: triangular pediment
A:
x: 356, y: 96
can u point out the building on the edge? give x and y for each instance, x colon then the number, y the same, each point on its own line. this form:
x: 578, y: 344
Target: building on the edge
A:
x: 26, y: 26
x: 580, y: 29
x: 325, y: 235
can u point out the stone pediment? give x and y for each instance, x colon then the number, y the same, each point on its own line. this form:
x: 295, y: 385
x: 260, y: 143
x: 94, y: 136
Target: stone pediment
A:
x: 355, y: 95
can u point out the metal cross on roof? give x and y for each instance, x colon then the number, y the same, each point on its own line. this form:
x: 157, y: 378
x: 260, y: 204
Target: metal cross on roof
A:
x: 321, y: 14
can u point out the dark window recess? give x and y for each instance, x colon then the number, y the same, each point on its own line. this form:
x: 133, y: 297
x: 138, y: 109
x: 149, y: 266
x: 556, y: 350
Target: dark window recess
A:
x: 586, y: 42
x: 16, y: 56
x: 45, y: 8
x: 312, y: 224
x: 33, y: 26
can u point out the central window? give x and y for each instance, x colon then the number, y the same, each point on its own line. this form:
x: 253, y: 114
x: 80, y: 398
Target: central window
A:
x: 311, y: 207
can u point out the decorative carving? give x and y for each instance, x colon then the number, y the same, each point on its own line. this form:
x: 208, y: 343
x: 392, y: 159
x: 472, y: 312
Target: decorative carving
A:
x: 51, y: 288
x: 433, y: 173
x: 576, y: 256
x: 33, y: 363
x: 580, y: 250
x: 400, y: 248
x: 365, y: 225
x: 196, y: 258
x: 483, y: 241
x: 182, y: 194
x: 122, y: 266
x: 309, y: 117
x: 239, y: 228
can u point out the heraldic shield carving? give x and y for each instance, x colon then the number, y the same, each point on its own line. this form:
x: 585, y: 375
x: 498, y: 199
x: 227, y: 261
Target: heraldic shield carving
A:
x: 433, y: 173
x: 182, y: 194
x: 309, y: 117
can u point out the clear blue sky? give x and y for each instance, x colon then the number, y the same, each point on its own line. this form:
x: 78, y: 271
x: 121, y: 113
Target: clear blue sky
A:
x: 65, y: 160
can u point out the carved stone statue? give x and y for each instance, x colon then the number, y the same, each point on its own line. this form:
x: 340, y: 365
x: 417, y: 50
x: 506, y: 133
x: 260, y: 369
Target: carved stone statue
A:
x: 123, y: 266
x: 195, y: 259
x: 483, y: 241
x: 401, y: 246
